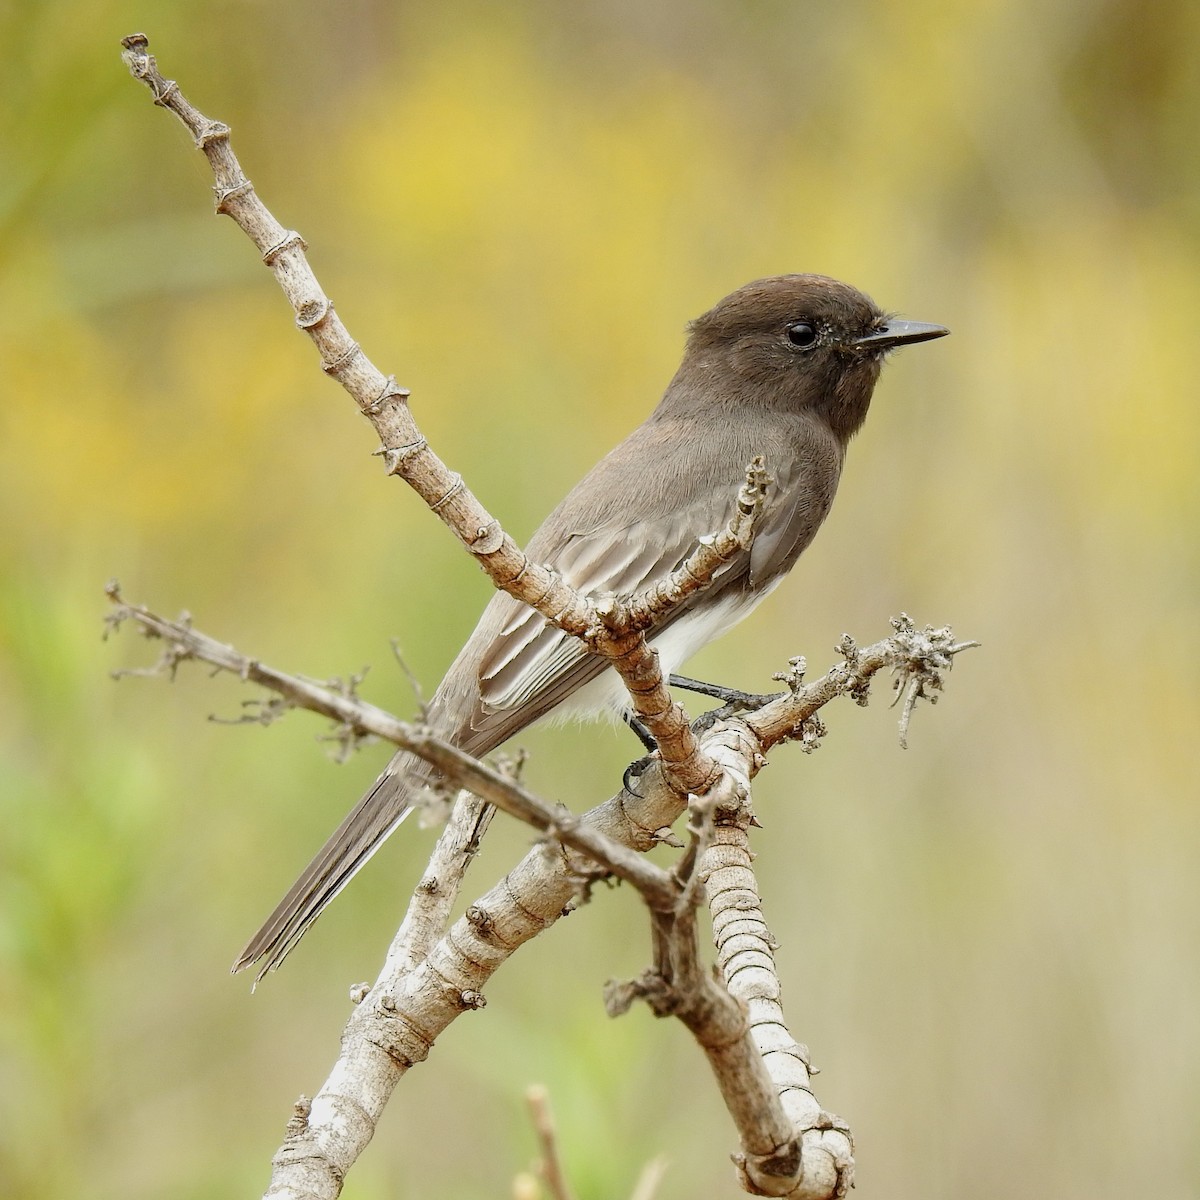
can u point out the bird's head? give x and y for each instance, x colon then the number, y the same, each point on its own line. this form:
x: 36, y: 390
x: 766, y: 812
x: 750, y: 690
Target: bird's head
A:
x: 799, y: 342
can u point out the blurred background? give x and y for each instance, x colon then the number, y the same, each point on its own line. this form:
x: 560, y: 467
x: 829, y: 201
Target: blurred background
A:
x: 991, y: 942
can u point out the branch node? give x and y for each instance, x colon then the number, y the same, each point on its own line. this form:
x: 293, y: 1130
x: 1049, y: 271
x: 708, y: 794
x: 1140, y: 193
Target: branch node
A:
x: 290, y: 241
x: 211, y: 131
x: 847, y: 647
x: 391, y: 389
x: 333, y: 366
x: 488, y: 538
x: 313, y: 312
x: 224, y: 195
x: 620, y: 994
x: 811, y: 730
x: 615, y: 617
x: 164, y: 95
x: 450, y: 493
x: 394, y: 457
x: 480, y: 920
x: 359, y: 992
x: 298, y: 1121
x: 793, y: 677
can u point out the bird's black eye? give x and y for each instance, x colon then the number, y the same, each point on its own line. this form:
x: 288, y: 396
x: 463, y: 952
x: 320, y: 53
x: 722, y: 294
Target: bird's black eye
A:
x: 802, y: 335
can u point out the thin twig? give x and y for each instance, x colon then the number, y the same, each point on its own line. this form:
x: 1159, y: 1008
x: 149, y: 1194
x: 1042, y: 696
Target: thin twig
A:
x: 410, y: 1003
x: 360, y: 718
x: 925, y: 654
x: 429, y: 980
x: 433, y: 898
x: 550, y: 1168
x: 615, y: 629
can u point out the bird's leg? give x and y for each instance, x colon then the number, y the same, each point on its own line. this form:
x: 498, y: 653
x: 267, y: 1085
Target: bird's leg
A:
x: 635, y: 768
x: 732, y: 699
x: 639, y: 727
x: 733, y: 703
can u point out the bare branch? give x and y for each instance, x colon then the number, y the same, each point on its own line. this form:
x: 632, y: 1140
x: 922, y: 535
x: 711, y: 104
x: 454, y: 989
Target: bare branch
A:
x: 407, y: 1009
x: 912, y: 655
x: 615, y: 629
x: 432, y: 976
x: 817, y: 1160
x: 362, y: 718
x: 428, y: 914
x: 779, y: 1154
x: 434, y: 973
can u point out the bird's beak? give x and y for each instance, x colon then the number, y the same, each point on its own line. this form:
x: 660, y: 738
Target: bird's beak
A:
x: 899, y: 333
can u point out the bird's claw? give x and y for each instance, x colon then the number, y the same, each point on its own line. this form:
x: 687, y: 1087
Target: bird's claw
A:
x: 635, y: 770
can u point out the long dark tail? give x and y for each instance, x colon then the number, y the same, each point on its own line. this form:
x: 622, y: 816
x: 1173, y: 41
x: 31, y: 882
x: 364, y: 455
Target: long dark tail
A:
x: 363, y: 831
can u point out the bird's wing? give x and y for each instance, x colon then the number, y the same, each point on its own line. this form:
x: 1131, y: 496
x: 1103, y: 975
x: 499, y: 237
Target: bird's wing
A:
x: 516, y: 667
x: 802, y: 492
x: 531, y: 661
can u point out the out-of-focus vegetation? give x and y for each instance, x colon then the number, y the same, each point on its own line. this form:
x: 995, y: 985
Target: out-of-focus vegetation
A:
x: 991, y: 942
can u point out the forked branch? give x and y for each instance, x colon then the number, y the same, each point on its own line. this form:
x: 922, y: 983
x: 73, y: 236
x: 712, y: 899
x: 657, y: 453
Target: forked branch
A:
x: 433, y: 973
x: 614, y: 628
x: 789, y: 1145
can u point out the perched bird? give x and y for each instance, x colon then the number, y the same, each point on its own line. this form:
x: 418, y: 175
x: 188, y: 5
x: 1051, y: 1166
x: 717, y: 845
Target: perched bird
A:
x: 783, y: 368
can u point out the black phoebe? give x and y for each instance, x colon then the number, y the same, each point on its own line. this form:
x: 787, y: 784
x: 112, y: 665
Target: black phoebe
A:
x: 782, y: 368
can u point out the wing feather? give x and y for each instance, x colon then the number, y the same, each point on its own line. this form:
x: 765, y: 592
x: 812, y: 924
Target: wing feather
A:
x: 531, y: 657
x: 516, y: 667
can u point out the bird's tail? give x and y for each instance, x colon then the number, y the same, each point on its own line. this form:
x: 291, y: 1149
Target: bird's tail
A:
x: 363, y: 831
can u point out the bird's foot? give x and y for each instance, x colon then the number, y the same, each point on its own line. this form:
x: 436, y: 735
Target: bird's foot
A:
x: 733, y: 700
x: 633, y: 774
x: 734, y: 703
x: 639, y: 728
x: 637, y: 768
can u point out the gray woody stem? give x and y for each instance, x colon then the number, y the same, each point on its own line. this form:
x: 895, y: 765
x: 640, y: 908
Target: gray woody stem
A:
x: 789, y: 1146
x: 787, y: 1141
x: 614, y: 629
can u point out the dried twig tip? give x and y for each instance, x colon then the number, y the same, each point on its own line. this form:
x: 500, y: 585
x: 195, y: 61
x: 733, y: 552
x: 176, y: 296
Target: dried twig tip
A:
x: 298, y: 1121
x: 754, y: 487
x: 921, y: 657
x: 793, y: 677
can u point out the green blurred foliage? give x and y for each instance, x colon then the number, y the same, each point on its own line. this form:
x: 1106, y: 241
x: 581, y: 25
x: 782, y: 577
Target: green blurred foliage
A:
x: 990, y: 941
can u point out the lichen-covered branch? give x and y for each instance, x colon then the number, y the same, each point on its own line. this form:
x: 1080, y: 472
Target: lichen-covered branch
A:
x: 917, y: 658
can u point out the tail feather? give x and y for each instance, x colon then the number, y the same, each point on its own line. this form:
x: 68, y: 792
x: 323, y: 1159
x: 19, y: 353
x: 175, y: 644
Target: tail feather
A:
x: 348, y: 849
